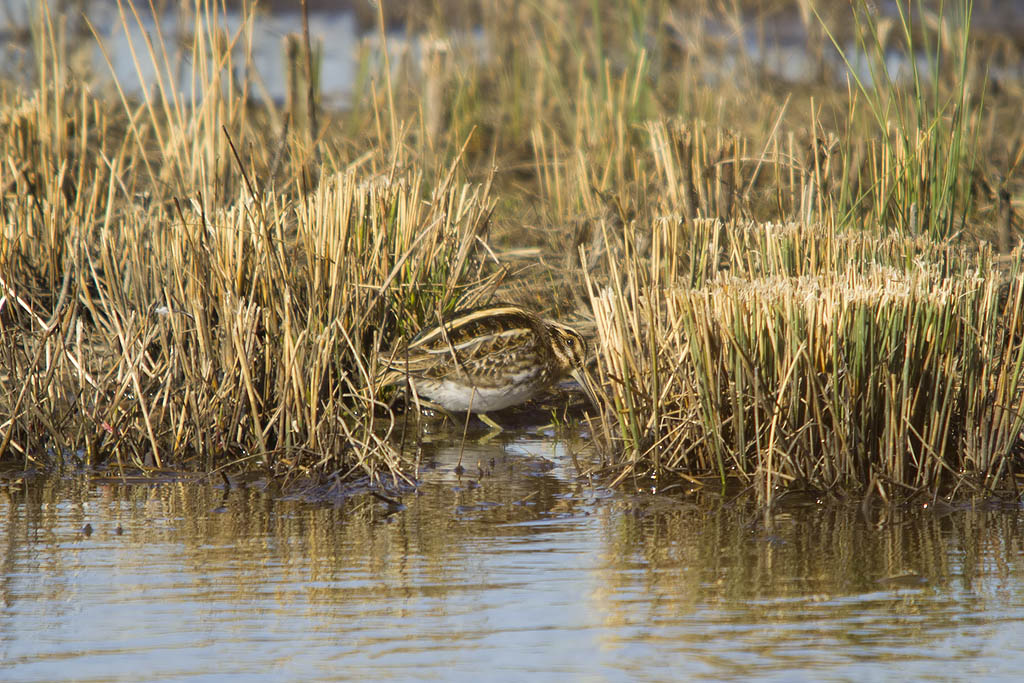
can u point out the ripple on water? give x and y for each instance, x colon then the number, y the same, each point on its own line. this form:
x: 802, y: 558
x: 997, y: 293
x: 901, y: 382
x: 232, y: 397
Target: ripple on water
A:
x: 514, y: 576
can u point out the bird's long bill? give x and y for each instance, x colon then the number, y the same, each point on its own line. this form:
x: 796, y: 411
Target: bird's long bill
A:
x: 583, y: 378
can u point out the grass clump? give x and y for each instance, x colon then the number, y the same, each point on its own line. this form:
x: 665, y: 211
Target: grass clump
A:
x: 165, y: 303
x: 213, y: 337
x: 864, y: 344
x: 865, y: 377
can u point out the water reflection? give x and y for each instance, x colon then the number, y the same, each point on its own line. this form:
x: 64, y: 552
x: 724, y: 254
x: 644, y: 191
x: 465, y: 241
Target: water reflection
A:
x: 501, y: 565
x: 817, y: 586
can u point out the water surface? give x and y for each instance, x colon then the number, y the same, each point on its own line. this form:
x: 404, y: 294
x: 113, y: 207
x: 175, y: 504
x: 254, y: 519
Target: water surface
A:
x: 510, y: 569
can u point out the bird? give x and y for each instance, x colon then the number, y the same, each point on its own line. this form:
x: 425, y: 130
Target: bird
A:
x: 488, y: 358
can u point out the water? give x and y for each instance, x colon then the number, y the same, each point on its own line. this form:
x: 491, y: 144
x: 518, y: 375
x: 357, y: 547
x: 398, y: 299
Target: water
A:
x: 776, y: 43
x: 512, y: 569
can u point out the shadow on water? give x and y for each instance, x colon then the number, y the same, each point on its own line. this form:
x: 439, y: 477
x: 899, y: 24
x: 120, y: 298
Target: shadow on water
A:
x: 503, y: 564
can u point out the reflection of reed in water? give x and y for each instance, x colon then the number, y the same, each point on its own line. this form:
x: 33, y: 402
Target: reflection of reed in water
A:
x: 651, y: 581
x: 810, y: 577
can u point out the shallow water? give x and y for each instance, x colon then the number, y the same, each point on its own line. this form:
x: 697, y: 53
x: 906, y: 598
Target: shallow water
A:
x: 513, y: 568
x: 776, y: 43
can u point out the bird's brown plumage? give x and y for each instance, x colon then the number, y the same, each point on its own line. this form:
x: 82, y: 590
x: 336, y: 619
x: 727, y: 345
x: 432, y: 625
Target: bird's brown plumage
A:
x: 488, y: 358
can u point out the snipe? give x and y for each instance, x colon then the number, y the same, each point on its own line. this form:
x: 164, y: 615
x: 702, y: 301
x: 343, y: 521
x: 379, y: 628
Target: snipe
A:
x: 485, y: 359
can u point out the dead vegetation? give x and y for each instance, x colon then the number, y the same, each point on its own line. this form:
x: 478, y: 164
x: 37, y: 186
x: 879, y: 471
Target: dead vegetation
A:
x: 791, y: 285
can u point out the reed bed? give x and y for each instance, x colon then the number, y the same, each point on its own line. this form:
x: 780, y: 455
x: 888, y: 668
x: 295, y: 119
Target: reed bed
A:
x: 841, y: 365
x: 789, y: 286
x: 212, y: 338
x: 165, y: 302
x: 808, y: 314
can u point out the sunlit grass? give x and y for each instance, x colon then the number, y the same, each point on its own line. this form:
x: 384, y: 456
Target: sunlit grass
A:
x: 205, y: 318
x: 848, y: 366
x: 790, y: 285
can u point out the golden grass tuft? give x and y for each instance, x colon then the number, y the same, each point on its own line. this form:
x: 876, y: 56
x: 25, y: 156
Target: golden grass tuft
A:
x: 858, y: 367
x: 175, y: 333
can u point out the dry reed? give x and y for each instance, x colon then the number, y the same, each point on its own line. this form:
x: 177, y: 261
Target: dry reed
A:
x: 162, y: 307
x: 813, y: 360
x: 787, y: 287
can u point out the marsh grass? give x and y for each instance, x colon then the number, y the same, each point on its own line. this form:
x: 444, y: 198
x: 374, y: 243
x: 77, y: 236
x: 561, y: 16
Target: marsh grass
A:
x: 919, y: 179
x: 166, y: 304
x: 885, y: 369
x: 804, y: 310
x: 810, y: 353
x: 247, y: 332
x: 788, y: 286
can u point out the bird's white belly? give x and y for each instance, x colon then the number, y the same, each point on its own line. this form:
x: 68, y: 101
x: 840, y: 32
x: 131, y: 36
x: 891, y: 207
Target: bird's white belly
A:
x: 456, y: 397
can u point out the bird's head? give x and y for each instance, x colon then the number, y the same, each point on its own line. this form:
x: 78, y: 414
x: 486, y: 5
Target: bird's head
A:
x: 570, y: 349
